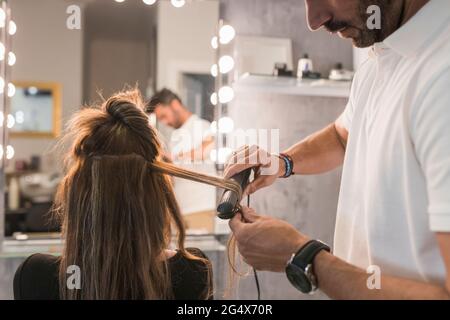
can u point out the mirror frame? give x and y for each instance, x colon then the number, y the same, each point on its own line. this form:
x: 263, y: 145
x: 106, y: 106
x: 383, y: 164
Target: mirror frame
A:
x: 55, y: 87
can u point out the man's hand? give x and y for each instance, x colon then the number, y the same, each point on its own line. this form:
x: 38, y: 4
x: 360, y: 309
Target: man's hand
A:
x: 267, y: 167
x: 264, y: 242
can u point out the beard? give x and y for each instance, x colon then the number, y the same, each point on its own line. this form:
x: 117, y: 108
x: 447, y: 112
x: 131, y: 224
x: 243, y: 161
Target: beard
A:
x: 364, y: 37
x: 177, y: 123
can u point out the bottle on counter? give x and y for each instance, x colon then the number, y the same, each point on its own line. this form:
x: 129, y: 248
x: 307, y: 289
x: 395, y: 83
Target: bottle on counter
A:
x: 305, y: 66
x: 13, y: 194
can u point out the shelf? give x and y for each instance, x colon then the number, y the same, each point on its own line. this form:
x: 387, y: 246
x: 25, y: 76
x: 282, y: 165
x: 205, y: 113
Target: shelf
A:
x: 293, y: 86
x: 53, y: 245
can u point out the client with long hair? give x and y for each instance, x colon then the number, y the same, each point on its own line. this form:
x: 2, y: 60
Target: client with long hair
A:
x: 118, y: 215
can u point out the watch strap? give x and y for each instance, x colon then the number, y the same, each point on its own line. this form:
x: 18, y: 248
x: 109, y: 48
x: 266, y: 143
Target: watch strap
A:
x: 308, y: 252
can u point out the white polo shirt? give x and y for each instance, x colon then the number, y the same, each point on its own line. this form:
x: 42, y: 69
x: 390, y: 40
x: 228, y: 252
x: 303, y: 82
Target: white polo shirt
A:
x: 395, y: 192
x: 193, y: 197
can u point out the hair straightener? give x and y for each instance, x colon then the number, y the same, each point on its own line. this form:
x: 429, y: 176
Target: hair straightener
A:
x: 229, y: 203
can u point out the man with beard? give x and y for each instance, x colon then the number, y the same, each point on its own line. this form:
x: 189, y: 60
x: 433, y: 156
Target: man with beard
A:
x: 393, y: 139
x: 191, y: 142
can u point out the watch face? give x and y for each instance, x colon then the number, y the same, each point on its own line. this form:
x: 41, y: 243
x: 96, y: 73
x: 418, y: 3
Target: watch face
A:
x: 298, y: 278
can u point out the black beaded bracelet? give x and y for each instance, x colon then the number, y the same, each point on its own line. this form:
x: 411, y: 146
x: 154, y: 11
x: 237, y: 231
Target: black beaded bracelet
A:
x: 289, y: 163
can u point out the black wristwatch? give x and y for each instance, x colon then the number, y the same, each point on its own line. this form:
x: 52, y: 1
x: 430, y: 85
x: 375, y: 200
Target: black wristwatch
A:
x: 299, y: 269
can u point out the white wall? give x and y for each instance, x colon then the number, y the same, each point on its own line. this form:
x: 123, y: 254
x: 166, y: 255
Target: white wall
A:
x: 184, y: 40
x: 119, y: 47
x: 46, y: 51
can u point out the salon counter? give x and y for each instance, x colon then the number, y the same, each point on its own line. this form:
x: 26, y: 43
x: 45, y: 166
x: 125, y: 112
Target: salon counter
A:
x: 14, y: 252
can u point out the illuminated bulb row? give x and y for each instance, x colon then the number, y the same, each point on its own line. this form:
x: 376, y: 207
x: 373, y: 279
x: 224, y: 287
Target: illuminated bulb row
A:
x: 10, y: 120
x: 12, y: 28
x: 226, y: 64
x: 175, y: 3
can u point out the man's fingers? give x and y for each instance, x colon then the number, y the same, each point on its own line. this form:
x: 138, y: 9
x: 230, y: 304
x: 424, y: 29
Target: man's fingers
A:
x: 249, y: 214
x: 241, y: 155
x: 244, y: 158
x: 236, y: 224
x: 234, y: 169
x: 254, y: 186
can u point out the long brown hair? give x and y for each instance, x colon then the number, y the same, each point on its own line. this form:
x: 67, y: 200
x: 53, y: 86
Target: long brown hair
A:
x: 116, y: 204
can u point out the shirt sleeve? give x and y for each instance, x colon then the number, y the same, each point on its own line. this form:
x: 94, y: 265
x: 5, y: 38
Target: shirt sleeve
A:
x: 347, y: 115
x: 206, y: 129
x: 430, y: 130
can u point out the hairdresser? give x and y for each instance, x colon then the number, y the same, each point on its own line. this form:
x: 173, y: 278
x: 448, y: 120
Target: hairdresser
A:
x: 191, y: 141
x: 393, y: 140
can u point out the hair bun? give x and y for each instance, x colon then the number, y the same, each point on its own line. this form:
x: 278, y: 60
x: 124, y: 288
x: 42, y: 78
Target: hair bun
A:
x: 118, y: 109
x: 125, y: 107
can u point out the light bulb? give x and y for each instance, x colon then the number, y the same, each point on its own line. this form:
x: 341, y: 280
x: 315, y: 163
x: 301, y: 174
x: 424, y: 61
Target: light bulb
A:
x: 11, y: 89
x: 214, y: 71
x: 2, y: 51
x: 9, y: 152
x: 2, y: 85
x: 149, y: 2
x: 12, y: 58
x: 178, y: 3
x: 12, y: 29
x: 2, y: 119
x: 11, y: 121
x: 214, y: 99
x: 214, y: 43
x: 226, y: 125
x: 226, y: 64
x: 20, y: 117
x: 226, y: 94
x: 120, y: 1
x: 226, y: 34
x: 2, y: 18
x: 222, y: 156
x: 33, y: 91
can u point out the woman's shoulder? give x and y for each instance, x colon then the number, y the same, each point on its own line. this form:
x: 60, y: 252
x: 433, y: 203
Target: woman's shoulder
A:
x: 37, y: 278
x: 191, y: 276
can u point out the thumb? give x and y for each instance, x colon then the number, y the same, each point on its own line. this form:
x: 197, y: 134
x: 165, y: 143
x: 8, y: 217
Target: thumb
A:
x: 249, y: 215
x: 255, y: 185
x: 236, y: 223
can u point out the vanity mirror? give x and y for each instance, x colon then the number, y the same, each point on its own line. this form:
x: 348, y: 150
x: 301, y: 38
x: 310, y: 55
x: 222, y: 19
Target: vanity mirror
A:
x: 36, y: 110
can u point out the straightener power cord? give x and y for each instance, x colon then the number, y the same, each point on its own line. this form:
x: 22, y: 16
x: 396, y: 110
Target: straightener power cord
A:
x: 255, y: 273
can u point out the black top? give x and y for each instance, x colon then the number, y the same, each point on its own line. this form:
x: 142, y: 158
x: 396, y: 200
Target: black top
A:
x: 37, y: 277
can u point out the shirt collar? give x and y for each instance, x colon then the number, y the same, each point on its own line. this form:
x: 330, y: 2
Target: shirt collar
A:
x: 422, y: 27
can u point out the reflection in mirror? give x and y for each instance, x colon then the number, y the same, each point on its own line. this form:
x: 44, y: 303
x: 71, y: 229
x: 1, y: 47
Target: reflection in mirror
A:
x: 35, y: 109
